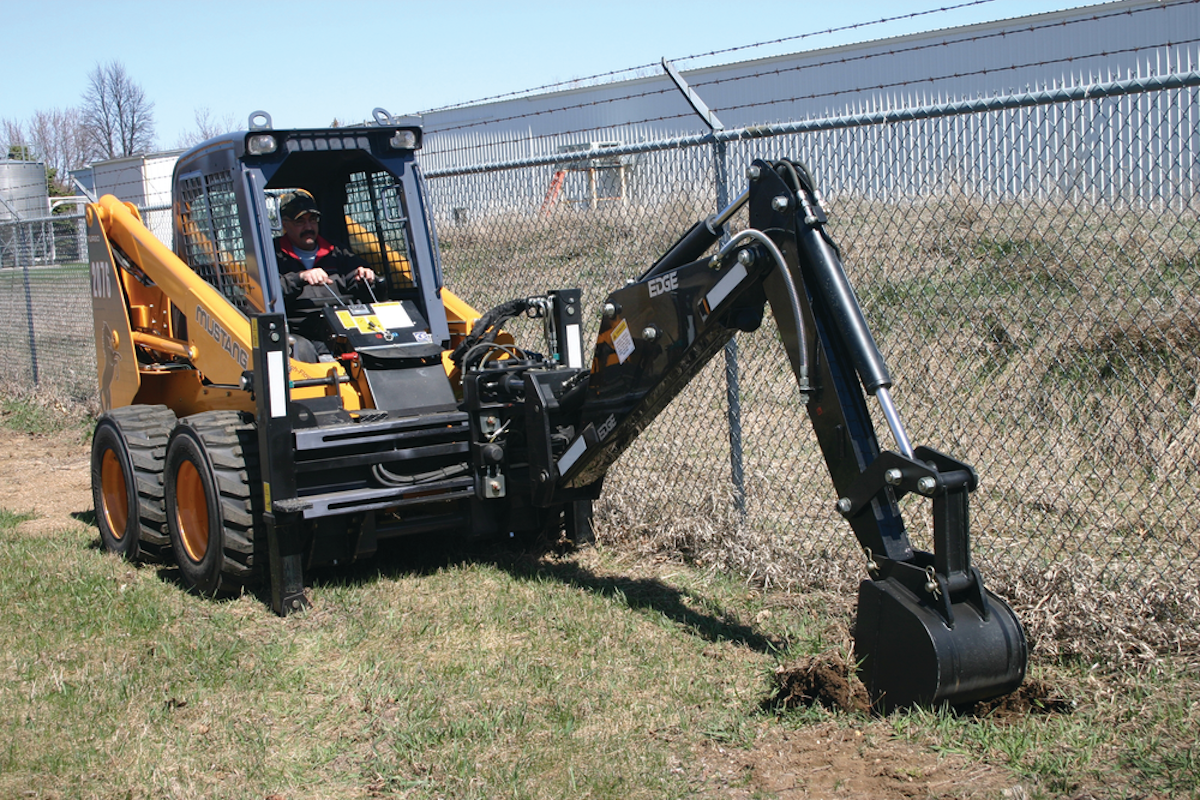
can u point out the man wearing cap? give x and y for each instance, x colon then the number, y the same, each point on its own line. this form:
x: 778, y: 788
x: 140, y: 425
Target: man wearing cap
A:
x: 308, y: 263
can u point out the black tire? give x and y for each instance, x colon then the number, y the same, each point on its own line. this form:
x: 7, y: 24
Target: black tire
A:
x: 212, y: 501
x: 128, y: 448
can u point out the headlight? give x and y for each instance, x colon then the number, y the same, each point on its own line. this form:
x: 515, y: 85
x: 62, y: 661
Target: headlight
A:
x: 260, y: 144
x: 404, y: 140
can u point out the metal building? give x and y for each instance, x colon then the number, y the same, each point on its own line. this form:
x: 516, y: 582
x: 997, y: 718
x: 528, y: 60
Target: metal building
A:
x: 144, y: 180
x: 23, y: 197
x: 1075, y: 47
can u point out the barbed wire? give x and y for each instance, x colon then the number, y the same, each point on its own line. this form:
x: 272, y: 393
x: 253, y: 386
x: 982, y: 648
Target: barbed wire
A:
x: 971, y: 73
x: 596, y: 80
x: 808, y: 66
x: 840, y: 29
x: 946, y: 43
x: 795, y: 98
x: 525, y: 138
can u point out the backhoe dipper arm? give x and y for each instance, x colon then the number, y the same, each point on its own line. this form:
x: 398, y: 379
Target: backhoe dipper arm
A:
x: 928, y: 631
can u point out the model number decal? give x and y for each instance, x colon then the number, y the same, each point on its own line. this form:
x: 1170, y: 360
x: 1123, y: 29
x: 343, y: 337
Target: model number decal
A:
x: 664, y: 283
x: 101, y: 280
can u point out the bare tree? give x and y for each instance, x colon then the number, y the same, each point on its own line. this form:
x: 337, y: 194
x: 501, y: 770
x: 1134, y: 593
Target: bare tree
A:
x: 13, y: 140
x: 59, y: 139
x: 118, y: 118
x: 207, y: 126
x: 54, y: 137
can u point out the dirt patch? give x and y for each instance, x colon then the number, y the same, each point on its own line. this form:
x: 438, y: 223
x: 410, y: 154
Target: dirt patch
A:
x: 829, y: 680
x: 833, y: 759
x: 1034, y: 697
x: 826, y: 679
x: 853, y: 758
x: 48, y: 475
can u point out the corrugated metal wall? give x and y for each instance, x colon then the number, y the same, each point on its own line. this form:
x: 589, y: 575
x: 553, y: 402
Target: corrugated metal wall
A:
x: 1136, y: 38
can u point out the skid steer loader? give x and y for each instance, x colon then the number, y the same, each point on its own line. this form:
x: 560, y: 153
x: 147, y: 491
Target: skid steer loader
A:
x: 223, y: 451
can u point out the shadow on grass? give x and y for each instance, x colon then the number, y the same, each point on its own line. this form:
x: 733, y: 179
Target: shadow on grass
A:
x: 693, y: 611
x: 419, y: 557
x: 649, y: 594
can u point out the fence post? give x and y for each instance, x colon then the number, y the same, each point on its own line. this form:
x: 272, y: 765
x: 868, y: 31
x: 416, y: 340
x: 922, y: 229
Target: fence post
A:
x: 733, y: 399
x: 33, y: 365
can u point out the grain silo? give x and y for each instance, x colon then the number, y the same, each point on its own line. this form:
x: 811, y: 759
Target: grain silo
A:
x: 23, y: 197
x: 23, y: 192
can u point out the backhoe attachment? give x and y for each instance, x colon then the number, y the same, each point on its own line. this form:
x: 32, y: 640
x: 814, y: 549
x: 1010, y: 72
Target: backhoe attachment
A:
x: 928, y: 631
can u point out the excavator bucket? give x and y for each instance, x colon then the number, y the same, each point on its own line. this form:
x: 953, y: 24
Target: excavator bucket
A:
x: 921, y: 648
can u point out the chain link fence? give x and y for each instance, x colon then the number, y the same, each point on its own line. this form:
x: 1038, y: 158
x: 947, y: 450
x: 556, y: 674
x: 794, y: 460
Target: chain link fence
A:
x: 47, y: 343
x: 1029, y: 264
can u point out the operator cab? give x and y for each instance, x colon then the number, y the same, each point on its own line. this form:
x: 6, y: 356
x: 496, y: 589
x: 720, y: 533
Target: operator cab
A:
x: 370, y: 195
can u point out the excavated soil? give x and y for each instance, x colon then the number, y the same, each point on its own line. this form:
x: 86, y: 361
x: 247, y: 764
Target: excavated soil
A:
x: 826, y: 679
x: 1035, y: 697
x: 829, y: 680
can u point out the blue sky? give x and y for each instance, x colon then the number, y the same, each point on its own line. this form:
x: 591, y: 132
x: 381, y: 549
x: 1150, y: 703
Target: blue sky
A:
x: 307, y: 62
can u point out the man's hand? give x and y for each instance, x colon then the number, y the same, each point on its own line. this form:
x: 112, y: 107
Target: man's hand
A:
x: 364, y: 274
x: 316, y: 276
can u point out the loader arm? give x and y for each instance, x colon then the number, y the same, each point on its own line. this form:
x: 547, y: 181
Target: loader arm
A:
x: 928, y: 631
x: 211, y: 318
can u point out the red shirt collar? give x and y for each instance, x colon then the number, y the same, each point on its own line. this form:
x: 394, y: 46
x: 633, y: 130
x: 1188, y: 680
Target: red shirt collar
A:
x: 324, y: 247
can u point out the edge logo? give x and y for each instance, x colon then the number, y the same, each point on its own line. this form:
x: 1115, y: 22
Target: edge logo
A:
x: 604, y: 430
x: 664, y: 283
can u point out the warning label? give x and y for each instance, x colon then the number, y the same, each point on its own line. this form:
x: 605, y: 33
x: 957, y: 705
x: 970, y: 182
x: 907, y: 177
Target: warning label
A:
x: 622, y: 341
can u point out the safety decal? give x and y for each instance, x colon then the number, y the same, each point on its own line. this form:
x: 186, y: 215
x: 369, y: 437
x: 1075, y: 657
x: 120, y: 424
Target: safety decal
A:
x: 574, y: 347
x: 725, y: 287
x: 367, y: 323
x: 392, y: 315
x: 622, y: 341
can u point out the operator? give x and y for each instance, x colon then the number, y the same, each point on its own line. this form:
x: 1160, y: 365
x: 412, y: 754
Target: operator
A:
x: 309, y: 266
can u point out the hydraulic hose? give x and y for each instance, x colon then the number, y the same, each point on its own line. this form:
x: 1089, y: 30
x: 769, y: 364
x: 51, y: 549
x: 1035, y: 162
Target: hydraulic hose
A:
x: 802, y: 366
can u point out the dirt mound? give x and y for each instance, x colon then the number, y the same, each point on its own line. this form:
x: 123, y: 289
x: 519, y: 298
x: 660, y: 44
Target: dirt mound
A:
x: 1034, y: 697
x: 827, y: 679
